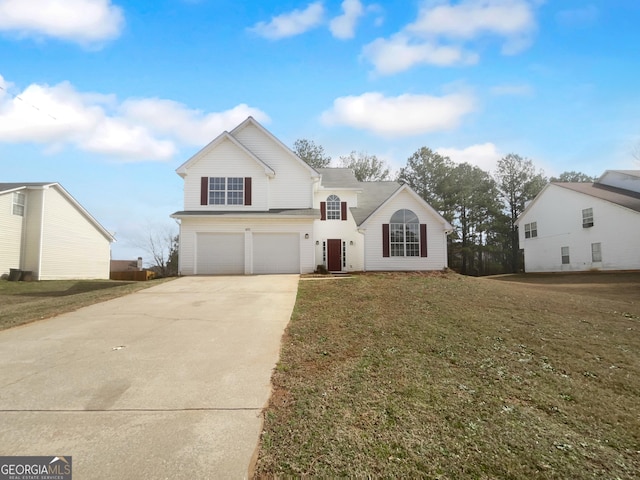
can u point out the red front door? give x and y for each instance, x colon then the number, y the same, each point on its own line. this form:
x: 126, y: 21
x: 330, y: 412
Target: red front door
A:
x: 334, y: 255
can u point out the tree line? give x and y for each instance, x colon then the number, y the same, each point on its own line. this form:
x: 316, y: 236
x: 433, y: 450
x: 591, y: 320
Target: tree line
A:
x: 482, y: 208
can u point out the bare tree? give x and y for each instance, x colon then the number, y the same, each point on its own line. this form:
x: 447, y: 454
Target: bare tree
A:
x: 161, y: 244
x: 367, y: 168
x: 311, y: 153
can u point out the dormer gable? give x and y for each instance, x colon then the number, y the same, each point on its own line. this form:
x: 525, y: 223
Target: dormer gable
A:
x: 183, y: 169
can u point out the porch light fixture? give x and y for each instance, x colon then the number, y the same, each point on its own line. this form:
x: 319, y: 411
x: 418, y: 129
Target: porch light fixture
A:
x: 306, y: 236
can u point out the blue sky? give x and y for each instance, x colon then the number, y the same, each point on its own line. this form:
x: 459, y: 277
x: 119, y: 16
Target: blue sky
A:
x: 109, y: 97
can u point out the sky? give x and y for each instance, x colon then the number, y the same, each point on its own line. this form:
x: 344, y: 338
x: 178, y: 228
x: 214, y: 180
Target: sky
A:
x: 109, y: 97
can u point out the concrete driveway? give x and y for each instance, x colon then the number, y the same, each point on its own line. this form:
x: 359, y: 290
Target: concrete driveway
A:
x: 168, y: 382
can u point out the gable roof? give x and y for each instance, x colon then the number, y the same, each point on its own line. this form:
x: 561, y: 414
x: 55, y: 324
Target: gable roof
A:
x: 11, y: 187
x: 14, y: 187
x: 182, y: 169
x: 339, y: 178
x: 406, y: 188
x: 617, y: 196
x: 252, y: 121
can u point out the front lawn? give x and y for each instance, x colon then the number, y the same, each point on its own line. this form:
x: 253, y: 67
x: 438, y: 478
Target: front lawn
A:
x: 23, y: 302
x: 444, y: 376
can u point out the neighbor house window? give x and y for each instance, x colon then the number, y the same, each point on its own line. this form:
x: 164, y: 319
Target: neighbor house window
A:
x: 333, y: 207
x: 226, y: 191
x: 531, y: 230
x: 596, y: 252
x: 565, y: 255
x: 587, y: 217
x: 18, y: 203
x: 404, y: 230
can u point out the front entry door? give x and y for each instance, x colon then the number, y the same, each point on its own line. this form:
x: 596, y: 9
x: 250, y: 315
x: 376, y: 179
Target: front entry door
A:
x: 334, y: 255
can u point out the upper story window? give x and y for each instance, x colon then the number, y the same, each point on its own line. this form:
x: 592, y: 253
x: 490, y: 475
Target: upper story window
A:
x: 333, y: 207
x: 18, y: 203
x: 531, y: 230
x: 587, y: 218
x: 226, y: 191
x: 404, y: 232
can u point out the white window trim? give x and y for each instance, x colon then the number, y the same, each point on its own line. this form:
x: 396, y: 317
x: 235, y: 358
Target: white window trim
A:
x: 587, y: 218
x: 18, y: 204
x: 334, y: 208
x: 226, y: 191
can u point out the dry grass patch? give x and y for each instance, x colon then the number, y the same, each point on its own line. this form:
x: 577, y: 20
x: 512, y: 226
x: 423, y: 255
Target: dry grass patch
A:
x: 23, y: 302
x: 444, y: 376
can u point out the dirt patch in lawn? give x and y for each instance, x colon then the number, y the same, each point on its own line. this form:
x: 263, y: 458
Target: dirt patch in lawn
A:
x: 444, y: 376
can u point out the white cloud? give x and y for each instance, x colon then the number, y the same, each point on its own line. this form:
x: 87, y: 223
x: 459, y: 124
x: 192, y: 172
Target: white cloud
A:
x: 441, y: 33
x: 400, y: 116
x: 399, y: 53
x: 81, y: 21
x: 292, y: 23
x: 134, y: 130
x: 193, y: 127
x: 343, y: 26
x: 484, y: 155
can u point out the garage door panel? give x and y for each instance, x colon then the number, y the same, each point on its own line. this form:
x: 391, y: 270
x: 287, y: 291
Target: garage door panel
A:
x: 276, y: 253
x: 220, y: 253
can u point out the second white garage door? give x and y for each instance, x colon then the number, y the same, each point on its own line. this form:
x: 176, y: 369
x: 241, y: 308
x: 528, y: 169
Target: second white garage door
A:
x: 220, y: 253
x: 276, y: 253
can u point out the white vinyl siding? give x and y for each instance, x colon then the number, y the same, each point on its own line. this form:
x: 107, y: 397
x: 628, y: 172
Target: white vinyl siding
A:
x: 436, y: 239
x: 72, y: 247
x: 558, y: 211
x: 226, y: 160
x: 11, y: 235
x: 292, y: 186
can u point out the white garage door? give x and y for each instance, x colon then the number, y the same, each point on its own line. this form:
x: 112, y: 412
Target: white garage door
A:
x: 276, y: 253
x: 220, y: 253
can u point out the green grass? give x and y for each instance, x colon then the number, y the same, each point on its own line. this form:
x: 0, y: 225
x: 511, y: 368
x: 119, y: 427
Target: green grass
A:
x: 23, y: 302
x: 443, y: 376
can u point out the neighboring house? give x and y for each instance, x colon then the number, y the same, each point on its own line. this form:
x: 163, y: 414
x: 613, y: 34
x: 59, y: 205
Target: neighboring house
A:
x: 45, y: 231
x: 126, y: 265
x: 584, y: 226
x: 252, y: 206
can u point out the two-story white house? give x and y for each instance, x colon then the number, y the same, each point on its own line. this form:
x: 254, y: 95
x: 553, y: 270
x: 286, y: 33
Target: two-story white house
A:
x: 251, y: 206
x: 584, y: 226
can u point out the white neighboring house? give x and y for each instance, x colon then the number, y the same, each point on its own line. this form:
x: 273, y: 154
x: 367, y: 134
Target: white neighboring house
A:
x: 584, y: 226
x: 252, y: 206
x: 44, y: 230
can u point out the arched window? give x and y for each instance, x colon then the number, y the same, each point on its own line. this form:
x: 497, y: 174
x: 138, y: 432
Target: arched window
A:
x: 333, y: 207
x: 404, y: 234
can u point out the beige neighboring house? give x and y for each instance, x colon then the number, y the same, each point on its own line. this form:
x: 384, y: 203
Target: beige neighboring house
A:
x: 45, y: 231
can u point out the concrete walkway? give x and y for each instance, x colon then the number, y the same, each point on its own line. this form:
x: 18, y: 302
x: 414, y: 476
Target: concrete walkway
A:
x: 168, y: 382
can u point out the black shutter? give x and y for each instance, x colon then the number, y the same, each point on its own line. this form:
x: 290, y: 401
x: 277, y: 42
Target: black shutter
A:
x: 204, y: 191
x: 343, y: 210
x: 423, y: 239
x: 323, y: 210
x: 385, y: 239
x: 247, y: 190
